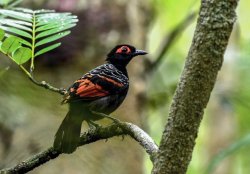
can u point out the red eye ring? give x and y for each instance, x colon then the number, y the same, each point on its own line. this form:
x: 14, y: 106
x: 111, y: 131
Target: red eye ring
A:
x: 124, y: 50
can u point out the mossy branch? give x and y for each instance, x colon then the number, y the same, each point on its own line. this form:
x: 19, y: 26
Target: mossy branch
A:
x: 118, y: 129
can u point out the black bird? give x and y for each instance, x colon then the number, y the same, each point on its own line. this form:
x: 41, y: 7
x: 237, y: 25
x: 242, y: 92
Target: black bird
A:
x: 101, y: 90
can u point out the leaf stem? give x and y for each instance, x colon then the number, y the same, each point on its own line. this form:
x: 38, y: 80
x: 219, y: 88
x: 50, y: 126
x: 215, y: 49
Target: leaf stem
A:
x: 32, y: 66
x: 25, y: 71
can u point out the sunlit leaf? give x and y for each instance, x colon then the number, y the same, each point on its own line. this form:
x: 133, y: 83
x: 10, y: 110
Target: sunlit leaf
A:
x: 49, y: 48
x: 24, y: 42
x: 36, y: 28
x: 52, y: 15
x: 16, y: 15
x: 13, y: 23
x: 18, y: 22
x: 52, y: 38
x: 4, y: 2
x: 22, y: 55
x: 43, y: 11
x: 52, y: 19
x: 17, y: 31
x: 56, y: 24
x: 14, y: 3
x: 55, y: 30
x: 1, y: 34
x: 25, y: 10
x: 10, y: 44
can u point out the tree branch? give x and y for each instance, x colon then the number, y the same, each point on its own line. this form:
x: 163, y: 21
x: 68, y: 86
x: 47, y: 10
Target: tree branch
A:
x: 43, y: 83
x: 204, y: 60
x: 91, y: 136
x: 46, y: 85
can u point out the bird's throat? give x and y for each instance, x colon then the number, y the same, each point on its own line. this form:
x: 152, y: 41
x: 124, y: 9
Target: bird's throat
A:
x: 121, y: 68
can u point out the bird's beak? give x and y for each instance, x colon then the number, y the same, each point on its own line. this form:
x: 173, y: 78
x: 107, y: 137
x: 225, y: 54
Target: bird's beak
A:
x: 140, y: 52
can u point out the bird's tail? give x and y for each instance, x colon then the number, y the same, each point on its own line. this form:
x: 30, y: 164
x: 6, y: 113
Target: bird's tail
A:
x: 68, y: 135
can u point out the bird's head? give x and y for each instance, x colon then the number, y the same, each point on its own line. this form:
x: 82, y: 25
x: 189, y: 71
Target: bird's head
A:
x: 122, y: 54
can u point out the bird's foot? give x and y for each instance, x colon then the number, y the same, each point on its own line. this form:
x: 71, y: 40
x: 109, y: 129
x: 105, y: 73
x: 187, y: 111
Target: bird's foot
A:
x: 106, y: 116
x: 93, y: 125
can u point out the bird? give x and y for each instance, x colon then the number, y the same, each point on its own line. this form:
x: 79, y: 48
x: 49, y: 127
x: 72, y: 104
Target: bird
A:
x: 94, y: 96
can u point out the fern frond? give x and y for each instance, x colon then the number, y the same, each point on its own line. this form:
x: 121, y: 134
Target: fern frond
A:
x: 36, y: 28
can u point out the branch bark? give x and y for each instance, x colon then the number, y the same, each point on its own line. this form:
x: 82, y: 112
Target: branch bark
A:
x: 214, y: 26
x: 46, y: 85
x: 118, y: 129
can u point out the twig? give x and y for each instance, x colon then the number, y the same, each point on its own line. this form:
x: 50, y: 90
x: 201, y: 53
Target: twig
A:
x: 91, y: 136
x: 171, y: 37
x: 43, y: 83
x: 48, y: 86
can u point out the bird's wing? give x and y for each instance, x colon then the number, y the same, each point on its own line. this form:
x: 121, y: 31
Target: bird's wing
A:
x: 91, y: 87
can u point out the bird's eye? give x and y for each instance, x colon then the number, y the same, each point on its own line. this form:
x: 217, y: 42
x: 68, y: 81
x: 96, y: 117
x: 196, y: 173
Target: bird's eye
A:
x: 124, y: 50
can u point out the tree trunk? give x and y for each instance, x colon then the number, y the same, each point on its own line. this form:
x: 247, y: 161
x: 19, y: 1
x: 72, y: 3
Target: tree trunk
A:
x: 214, y: 26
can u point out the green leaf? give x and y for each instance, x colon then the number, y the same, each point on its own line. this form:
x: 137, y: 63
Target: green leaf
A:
x: 24, y: 10
x: 4, y: 2
x: 10, y: 44
x: 217, y: 159
x: 52, y: 15
x: 49, y: 27
x: 15, y: 3
x: 53, y: 19
x: 55, y: 24
x: 49, y: 48
x: 16, y: 15
x: 16, y: 31
x: 21, y: 40
x: 22, y: 55
x: 43, y: 11
x: 18, y: 22
x: 1, y: 34
x: 15, y: 24
x: 52, y: 38
x: 55, y: 30
x: 25, y: 42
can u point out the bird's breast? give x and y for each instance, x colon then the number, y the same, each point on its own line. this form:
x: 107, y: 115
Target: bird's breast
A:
x: 107, y: 104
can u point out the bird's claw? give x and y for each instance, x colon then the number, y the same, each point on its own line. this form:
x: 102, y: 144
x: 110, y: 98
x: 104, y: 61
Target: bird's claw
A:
x: 116, y: 121
x: 93, y: 126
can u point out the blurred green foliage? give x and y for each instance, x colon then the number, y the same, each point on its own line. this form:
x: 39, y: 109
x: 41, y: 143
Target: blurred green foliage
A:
x: 9, y: 3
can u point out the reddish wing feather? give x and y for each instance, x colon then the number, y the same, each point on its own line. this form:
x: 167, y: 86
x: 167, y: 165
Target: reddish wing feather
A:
x: 86, y: 89
x: 89, y: 89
